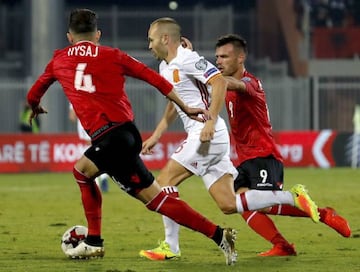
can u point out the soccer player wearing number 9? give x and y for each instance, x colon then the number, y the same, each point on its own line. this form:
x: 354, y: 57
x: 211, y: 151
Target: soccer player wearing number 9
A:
x: 260, y: 162
x: 92, y: 77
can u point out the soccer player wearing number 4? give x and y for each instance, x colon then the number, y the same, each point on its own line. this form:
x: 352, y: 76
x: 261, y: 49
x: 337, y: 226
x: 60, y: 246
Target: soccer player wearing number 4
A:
x: 260, y: 162
x: 92, y: 77
x: 205, y: 152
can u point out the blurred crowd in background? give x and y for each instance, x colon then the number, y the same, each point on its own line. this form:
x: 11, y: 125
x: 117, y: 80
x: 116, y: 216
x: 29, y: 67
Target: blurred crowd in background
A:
x: 329, y: 13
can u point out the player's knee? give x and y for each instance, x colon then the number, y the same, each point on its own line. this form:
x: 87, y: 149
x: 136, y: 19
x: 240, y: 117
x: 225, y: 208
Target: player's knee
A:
x: 227, y: 207
x: 79, y: 176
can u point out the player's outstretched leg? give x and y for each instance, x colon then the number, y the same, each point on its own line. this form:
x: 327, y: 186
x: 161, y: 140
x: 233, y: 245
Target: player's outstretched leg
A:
x: 183, y: 214
x: 304, y: 202
x: 328, y: 216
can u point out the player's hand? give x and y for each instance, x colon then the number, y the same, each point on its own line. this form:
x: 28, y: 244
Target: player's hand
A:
x: 148, y: 145
x: 200, y: 115
x: 208, y: 131
x: 185, y: 42
x: 35, y: 112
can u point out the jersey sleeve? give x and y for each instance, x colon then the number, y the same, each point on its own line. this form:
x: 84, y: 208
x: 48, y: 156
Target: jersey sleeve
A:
x: 199, y: 68
x: 41, y: 85
x: 137, y: 69
x: 253, y: 85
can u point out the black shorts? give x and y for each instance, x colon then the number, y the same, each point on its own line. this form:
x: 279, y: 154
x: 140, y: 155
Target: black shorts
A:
x: 116, y: 153
x: 260, y: 174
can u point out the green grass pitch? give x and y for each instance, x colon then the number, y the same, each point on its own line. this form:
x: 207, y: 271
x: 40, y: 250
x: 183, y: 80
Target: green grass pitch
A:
x: 35, y: 210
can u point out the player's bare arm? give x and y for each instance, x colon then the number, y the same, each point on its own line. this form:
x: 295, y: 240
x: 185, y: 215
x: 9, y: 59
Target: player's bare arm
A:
x: 235, y: 84
x: 218, y: 84
x: 193, y: 113
x: 167, y: 119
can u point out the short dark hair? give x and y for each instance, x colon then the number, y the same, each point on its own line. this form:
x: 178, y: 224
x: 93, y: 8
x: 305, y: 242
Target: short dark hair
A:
x: 83, y: 21
x: 236, y: 40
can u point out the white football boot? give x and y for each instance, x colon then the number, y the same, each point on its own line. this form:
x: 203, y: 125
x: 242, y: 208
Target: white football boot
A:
x: 85, y: 251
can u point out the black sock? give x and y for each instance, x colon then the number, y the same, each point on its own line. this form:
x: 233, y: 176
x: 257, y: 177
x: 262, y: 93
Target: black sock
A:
x: 94, y: 240
x: 218, y: 235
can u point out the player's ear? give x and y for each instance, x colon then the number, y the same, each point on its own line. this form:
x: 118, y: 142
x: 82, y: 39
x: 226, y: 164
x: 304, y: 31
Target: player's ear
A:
x: 165, y: 38
x: 97, y: 35
x: 70, y: 37
x: 241, y: 58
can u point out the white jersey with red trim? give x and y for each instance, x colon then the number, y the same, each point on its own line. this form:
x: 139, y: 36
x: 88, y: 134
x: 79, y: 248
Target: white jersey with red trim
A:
x: 189, y: 74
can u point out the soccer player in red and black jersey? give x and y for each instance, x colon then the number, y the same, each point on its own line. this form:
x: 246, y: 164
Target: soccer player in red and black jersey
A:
x: 92, y: 77
x: 260, y: 162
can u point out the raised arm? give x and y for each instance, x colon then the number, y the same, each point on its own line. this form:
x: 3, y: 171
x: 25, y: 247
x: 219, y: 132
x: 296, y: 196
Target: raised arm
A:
x: 235, y: 84
x: 197, y: 114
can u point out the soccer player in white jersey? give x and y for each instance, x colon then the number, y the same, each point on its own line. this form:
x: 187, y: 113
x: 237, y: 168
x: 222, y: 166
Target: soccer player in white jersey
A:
x: 102, y: 180
x: 205, y: 152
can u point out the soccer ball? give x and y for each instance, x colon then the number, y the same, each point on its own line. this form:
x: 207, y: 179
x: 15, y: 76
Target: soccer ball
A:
x: 73, y: 236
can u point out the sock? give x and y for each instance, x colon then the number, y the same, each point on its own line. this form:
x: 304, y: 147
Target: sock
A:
x: 287, y: 210
x: 254, y: 199
x: 171, y: 227
x: 322, y: 214
x: 94, y: 240
x: 182, y: 213
x: 92, y: 200
x: 293, y: 211
x: 263, y: 226
x: 217, y: 238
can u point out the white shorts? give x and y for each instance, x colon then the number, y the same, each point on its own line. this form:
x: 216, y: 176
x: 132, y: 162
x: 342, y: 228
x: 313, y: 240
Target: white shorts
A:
x: 210, y: 160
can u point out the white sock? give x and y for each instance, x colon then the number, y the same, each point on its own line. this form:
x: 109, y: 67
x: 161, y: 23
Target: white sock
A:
x: 171, y: 227
x: 255, y: 199
x: 171, y: 233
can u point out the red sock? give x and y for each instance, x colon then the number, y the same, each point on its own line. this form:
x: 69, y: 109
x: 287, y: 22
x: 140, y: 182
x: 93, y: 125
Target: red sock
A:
x: 263, y: 226
x: 322, y: 214
x: 92, y: 200
x: 292, y: 211
x: 182, y: 213
x: 171, y: 191
x: 287, y: 210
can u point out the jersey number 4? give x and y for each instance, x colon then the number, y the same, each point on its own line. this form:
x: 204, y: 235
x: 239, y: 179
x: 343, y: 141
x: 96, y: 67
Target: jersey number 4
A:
x: 82, y: 81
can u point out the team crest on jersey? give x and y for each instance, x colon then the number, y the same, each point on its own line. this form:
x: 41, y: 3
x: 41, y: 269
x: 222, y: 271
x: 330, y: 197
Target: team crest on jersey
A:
x: 247, y: 79
x: 201, y: 64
